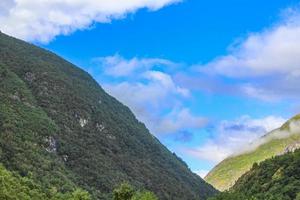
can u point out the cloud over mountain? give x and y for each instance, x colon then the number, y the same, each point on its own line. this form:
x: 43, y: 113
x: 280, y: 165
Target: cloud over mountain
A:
x: 147, y: 86
x: 230, y: 137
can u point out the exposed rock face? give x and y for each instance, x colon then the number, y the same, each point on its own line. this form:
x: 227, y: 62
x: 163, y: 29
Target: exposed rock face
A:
x: 100, y: 127
x: 65, y: 158
x: 292, y: 147
x: 51, y: 144
x: 29, y: 77
x: 15, y: 97
x: 83, y: 122
x: 111, y: 137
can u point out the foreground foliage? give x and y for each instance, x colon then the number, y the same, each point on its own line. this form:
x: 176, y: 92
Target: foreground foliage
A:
x: 126, y: 192
x: 15, y: 187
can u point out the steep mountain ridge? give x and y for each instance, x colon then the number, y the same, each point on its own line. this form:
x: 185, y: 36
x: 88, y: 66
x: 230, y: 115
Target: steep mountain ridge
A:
x: 277, y: 142
x: 58, y: 125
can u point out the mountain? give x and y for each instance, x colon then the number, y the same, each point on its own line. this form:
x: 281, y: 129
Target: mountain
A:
x: 277, y: 142
x: 59, y: 128
x: 275, y: 178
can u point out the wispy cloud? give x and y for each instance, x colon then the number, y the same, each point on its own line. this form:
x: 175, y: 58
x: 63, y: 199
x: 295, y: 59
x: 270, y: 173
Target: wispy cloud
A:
x: 292, y: 128
x: 234, y: 136
x: 118, y: 66
x: 264, y: 65
x: 202, y: 173
x: 178, y: 121
x: 42, y: 20
x: 147, y: 86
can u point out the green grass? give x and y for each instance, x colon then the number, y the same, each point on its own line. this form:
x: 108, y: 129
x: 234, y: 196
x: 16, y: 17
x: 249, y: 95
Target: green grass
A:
x: 226, y: 173
x: 276, y: 178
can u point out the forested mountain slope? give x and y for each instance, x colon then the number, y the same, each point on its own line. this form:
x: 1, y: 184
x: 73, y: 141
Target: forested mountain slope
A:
x: 58, y: 126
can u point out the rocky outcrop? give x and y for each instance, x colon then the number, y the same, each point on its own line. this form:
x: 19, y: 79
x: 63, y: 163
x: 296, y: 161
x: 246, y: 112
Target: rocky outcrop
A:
x: 292, y: 148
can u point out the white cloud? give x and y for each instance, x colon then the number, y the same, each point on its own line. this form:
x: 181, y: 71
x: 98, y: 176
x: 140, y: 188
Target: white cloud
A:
x: 42, y: 20
x: 293, y: 127
x: 153, y: 95
x: 265, y: 65
x: 179, y: 120
x: 157, y: 102
x: 202, y: 173
x: 153, y: 88
x: 234, y: 136
x: 118, y: 66
x: 272, y: 52
x: 210, y: 152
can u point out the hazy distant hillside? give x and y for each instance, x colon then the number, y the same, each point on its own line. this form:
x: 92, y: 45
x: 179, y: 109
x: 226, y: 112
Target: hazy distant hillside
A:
x: 61, y: 129
x: 226, y: 173
x: 277, y: 178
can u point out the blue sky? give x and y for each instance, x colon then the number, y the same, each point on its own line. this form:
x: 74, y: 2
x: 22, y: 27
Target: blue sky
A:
x: 206, y: 77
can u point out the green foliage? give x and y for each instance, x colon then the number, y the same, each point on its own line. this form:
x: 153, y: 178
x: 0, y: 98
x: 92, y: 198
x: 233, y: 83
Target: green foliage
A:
x: 230, y: 196
x: 60, y: 127
x: 24, y: 128
x: 226, y: 173
x: 126, y: 192
x: 274, y: 179
x: 80, y: 194
x: 15, y: 187
x: 145, y: 195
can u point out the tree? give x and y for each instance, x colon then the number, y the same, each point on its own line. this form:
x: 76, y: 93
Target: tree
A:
x: 123, y: 192
x: 145, y: 195
x: 79, y: 194
x: 126, y: 192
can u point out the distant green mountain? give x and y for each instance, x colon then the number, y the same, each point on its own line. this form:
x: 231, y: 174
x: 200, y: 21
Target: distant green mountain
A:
x: 61, y: 129
x: 274, y: 179
x: 226, y: 173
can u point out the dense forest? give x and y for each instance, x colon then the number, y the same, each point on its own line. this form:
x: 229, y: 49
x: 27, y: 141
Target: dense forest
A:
x: 15, y: 187
x: 59, y: 128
